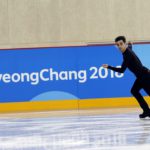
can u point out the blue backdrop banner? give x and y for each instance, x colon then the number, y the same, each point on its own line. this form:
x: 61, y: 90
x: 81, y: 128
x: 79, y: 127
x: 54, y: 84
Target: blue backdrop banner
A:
x: 65, y: 73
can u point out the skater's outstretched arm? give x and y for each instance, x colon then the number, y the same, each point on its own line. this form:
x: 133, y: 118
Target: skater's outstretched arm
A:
x: 120, y: 70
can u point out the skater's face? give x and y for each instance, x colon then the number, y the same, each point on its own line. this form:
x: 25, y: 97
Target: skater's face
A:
x: 121, y: 45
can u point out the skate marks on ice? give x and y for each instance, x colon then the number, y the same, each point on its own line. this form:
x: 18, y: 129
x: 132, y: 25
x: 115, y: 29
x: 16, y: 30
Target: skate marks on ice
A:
x: 123, y: 131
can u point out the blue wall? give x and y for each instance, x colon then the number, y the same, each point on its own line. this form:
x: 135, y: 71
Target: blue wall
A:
x: 20, y: 73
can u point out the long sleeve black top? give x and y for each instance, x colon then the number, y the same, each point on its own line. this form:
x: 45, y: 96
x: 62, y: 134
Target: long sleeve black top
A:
x: 132, y: 62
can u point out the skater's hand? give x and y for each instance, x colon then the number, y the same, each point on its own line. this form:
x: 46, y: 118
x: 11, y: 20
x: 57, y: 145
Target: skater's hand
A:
x: 105, y: 65
x: 130, y: 45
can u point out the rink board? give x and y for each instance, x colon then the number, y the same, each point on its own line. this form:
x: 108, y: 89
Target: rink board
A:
x: 70, y: 104
x: 62, y: 78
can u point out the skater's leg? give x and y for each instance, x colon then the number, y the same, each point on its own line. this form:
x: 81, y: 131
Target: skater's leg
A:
x: 136, y: 93
x: 147, y: 89
x: 146, y: 84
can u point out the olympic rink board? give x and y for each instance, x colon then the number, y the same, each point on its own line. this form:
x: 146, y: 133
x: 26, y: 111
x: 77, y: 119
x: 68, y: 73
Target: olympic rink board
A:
x: 65, y: 77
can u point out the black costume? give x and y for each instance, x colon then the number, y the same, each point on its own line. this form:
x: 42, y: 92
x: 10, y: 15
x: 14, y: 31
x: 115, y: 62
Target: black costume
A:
x: 132, y: 62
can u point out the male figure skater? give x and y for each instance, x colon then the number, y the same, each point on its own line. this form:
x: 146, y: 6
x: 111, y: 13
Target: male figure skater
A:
x: 132, y: 62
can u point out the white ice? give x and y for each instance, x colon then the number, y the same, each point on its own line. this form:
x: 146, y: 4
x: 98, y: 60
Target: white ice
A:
x: 100, y: 132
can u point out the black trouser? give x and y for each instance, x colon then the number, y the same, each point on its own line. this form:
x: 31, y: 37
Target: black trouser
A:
x: 141, y: 83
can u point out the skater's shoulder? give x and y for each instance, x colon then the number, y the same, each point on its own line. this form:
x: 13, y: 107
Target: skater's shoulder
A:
x: 127, y: 51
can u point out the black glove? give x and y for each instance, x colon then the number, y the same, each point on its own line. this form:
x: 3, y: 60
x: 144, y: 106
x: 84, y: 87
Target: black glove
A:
x: 130, y: 45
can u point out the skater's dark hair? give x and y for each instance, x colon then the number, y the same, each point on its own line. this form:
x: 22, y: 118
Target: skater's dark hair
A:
x: 120, y: 38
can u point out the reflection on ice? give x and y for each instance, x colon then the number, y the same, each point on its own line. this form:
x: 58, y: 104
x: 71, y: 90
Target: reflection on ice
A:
x: 75, y: 133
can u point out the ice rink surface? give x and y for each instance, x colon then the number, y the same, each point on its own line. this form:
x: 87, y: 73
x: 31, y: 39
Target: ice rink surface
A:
x: 116, y: 131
